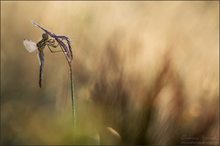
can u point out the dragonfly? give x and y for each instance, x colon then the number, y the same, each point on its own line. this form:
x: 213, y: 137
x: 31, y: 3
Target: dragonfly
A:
x: 66, y: 47
x: 39, y: 48
x: 51, y: 40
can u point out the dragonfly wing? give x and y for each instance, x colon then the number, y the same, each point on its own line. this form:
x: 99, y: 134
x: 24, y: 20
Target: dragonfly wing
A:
x: 38, y: 58
x: 66, y: 49
x: 37, y: 25
x: 30, y: 46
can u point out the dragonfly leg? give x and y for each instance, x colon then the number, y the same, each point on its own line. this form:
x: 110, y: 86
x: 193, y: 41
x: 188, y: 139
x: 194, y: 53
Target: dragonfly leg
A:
x: 51, y: 42
x: 52, y: 51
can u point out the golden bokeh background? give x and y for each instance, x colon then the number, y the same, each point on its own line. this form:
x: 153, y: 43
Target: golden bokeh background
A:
x: 144, y: 73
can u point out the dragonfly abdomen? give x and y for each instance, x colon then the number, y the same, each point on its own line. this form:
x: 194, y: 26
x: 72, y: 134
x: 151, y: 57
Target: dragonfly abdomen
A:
x: 41, y: 55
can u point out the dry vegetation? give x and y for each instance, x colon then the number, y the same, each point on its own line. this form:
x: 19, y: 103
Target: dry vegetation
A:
x: 148, y: 70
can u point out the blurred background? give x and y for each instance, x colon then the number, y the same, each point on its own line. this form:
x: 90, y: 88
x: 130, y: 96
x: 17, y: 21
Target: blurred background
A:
x: 144, y: 73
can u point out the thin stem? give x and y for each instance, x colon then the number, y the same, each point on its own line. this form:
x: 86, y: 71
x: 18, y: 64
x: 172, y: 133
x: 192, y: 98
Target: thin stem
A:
x: 72, y: 96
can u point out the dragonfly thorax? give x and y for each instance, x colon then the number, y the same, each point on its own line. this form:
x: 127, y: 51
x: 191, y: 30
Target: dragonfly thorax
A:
x: 45, y: 36
x: 41, y: 44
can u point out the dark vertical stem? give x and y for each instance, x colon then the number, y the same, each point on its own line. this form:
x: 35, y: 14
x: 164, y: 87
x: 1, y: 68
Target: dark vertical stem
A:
x: 72, y: 96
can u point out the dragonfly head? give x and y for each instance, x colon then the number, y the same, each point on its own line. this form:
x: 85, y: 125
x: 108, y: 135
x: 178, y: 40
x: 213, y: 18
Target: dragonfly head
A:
x: 45, y: 36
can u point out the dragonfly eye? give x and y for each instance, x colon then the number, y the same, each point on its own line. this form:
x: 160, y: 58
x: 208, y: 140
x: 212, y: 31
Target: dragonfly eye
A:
x: 45, y: 36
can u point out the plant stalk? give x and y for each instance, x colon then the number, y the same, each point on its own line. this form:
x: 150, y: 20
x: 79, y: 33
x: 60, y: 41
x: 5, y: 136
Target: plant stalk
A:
x: 72, y: 96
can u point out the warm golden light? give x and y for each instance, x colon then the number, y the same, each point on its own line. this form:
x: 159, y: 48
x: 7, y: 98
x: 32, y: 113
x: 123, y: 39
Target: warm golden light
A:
x: 144, y: 73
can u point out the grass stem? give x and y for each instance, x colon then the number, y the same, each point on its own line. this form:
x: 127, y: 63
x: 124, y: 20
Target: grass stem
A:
x: 72, y: 96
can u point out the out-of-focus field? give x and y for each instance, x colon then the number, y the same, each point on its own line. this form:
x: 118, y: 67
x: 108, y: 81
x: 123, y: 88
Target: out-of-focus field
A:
x: 148, y: 70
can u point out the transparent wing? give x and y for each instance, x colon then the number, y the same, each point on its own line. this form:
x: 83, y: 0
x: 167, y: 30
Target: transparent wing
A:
x: 30, y: 45
x: 38, y: 58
